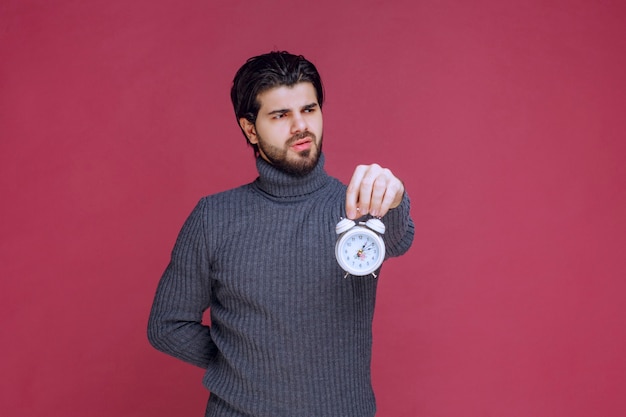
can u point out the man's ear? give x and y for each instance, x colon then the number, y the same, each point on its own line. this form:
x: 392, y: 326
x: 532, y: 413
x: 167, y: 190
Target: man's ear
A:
x: 250, y: 131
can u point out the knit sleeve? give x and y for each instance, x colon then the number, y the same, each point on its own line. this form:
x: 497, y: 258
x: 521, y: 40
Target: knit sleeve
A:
x: 183, y: 294
x: 400, y: 228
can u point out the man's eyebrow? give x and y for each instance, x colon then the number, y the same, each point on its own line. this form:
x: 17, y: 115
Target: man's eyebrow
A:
x: 283, y: 111
x: 279, y: 111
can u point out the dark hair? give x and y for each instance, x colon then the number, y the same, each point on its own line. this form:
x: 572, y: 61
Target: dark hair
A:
x: 267, y: 71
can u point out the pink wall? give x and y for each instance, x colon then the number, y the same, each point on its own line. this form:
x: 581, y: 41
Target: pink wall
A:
x: 505, y: 121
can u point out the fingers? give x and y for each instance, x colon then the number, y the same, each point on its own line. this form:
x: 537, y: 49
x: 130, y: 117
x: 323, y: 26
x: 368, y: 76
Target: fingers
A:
x: 372, y: 190
x: 354, y: 190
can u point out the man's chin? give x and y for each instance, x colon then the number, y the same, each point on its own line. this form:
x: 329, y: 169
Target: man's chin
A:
x: 301, y: 165
x: 291, y: 162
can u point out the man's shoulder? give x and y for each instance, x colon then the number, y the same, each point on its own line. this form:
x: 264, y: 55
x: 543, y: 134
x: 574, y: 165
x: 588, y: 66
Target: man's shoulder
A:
x: 226, y: 195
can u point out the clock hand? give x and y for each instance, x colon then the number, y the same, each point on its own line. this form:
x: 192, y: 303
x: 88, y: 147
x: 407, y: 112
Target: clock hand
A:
x: 368, y: 247
x: 360, y: 253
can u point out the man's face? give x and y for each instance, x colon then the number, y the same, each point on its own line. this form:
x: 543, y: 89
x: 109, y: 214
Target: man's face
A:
x: 288, y: 128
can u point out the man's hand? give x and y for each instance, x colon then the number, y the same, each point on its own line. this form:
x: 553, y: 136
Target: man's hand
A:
x: 372, y: 190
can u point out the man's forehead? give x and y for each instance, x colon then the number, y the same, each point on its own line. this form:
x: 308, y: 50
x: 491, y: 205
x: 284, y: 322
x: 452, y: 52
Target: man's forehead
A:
x: 288, y: 96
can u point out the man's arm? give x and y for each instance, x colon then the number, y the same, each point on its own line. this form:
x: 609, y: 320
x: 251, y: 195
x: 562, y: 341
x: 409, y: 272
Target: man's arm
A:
x: 183, y: 294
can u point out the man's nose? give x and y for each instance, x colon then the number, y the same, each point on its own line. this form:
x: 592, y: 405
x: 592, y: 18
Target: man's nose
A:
x: 298, y: 123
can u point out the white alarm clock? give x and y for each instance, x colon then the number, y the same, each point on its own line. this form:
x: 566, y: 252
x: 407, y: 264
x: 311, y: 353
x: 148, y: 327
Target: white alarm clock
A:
x: 360, y: 249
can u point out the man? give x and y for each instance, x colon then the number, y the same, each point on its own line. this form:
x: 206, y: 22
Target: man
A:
x: 289, y: 335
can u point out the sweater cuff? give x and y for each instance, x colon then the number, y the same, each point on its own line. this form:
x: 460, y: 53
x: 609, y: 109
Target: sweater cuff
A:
x: 399, y: 228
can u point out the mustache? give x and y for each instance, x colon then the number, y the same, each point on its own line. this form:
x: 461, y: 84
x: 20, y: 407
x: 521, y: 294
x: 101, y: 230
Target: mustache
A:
x: 300, y: 136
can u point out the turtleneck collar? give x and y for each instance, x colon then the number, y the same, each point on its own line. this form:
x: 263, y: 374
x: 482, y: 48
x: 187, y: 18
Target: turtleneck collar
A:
x: 278, y: 183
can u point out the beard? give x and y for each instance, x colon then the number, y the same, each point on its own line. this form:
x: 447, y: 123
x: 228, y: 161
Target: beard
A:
x: 299, y: 165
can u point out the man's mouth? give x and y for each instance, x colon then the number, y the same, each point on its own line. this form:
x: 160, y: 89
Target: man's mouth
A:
x: 302, y: 144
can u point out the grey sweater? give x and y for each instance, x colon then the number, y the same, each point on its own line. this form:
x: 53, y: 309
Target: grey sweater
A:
x: 289, y: 335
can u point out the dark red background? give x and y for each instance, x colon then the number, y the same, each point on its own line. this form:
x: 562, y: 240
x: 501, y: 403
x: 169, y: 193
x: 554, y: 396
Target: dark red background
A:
x: 505, y: 120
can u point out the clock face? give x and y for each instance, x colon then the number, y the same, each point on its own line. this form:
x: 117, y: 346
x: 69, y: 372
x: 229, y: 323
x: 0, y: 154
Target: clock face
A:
x: 360, y: 251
